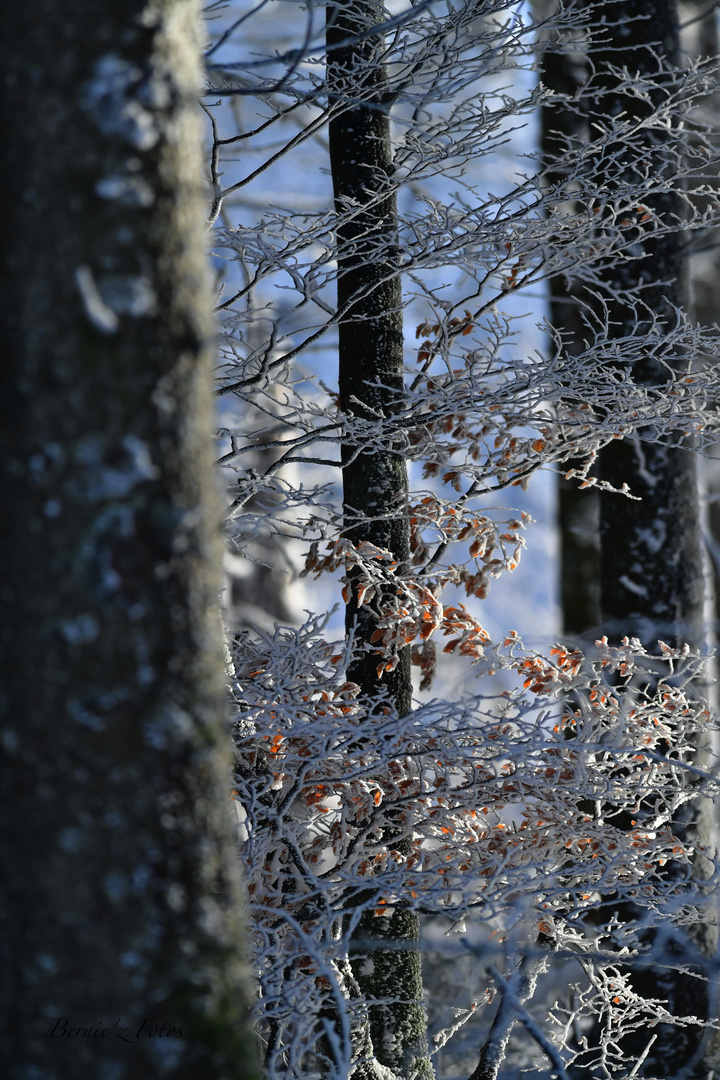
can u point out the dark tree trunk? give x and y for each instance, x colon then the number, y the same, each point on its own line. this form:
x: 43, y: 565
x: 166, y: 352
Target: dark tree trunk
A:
x: 578, y: 509
x: 371, y: 328
x: 375, y: 482
x: 651, y: 568
x: 120, y: 899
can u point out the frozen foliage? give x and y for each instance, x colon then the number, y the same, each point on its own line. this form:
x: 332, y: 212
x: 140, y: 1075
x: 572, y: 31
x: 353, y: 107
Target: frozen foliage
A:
x: 477, y: 411
x: 549, y: 825
x: 520, y: 813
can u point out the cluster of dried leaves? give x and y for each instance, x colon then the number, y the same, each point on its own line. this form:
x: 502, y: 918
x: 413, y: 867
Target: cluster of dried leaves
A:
x: 517, y: 810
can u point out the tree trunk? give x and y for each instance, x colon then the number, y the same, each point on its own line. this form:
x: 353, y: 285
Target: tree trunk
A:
x: 701, y: 38
x: 651, y: 568
x: 578, y: 509
x: 375, y: 482
x: 121, y: 935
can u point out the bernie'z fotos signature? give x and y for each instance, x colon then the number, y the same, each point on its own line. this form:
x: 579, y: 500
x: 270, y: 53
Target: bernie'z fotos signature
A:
x: 149, y: 1028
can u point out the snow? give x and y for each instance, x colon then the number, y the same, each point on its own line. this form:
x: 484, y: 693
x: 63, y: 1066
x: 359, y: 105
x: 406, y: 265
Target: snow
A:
x: 71, y: 840
x: 80, y: 630
x: 632, y: 586
x: 128, y: 294
x: 102, y: 482
x: 115, y: 96
x: 115, y: 886
x: 132, y: 190
x: 102, y: 317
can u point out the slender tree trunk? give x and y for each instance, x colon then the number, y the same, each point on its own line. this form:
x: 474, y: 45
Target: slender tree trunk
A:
x: 651, y: 568
x: 121, y: 939
x: 701, y: 39
x: 375, y: 482
x: 578, y: 509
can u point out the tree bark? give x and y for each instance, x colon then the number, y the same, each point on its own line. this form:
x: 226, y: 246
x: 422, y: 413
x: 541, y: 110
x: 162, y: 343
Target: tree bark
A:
x: 375, y: 482
x: 651, y: 570
x: 578, y: 509
x: 120, y: 908
x: 651, y: 574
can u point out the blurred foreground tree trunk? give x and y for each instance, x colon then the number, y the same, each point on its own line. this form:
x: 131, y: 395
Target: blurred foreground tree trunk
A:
x: 121, y: 930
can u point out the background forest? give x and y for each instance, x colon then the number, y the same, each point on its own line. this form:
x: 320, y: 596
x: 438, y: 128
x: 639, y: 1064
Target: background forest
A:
x: 463, y: 271
x: 484, y: 274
